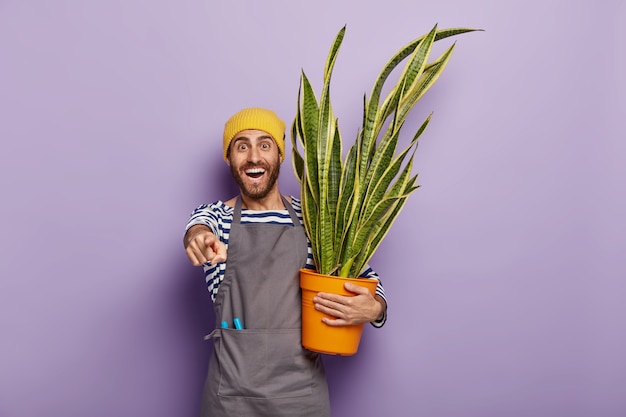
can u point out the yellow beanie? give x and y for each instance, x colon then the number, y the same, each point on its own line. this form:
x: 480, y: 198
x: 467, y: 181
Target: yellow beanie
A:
x: 258, y: 119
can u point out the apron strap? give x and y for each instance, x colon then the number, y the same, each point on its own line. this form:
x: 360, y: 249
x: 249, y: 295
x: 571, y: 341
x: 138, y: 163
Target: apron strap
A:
x: 292, y: 212
x: 237, y: 211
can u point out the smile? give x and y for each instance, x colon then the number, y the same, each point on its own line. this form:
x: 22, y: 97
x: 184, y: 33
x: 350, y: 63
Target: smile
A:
x: 255, y: 172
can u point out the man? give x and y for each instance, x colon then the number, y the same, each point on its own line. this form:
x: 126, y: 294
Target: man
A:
x: 252, y: 248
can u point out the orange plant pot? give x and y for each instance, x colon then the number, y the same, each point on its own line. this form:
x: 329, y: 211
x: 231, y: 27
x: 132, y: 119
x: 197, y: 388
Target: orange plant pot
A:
x: 318, y: 336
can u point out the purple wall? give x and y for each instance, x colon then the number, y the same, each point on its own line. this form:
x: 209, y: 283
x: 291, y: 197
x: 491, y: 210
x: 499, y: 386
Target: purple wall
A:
x: 505, y: 273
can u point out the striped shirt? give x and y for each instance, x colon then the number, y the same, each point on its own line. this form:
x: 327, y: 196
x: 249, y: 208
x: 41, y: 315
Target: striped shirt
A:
x: 219, y: 217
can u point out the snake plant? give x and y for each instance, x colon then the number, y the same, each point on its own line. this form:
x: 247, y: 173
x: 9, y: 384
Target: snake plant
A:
x: 350, y: 204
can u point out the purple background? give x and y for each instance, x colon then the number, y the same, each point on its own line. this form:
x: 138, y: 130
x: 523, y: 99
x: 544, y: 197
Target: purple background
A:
x: 505, y: 273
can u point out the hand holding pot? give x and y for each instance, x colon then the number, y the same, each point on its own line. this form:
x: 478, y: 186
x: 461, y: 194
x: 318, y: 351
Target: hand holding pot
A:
x: 350, y: 310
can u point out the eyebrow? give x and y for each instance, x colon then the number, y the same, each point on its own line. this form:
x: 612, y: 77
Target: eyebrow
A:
x: 246, y: 138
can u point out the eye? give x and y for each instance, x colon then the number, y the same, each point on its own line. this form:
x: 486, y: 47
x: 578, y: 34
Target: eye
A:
x: 242, y: 146
x: 266, y: 145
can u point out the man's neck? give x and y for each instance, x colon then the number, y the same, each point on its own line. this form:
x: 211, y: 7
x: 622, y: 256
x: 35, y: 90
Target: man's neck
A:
x: 272, y: 201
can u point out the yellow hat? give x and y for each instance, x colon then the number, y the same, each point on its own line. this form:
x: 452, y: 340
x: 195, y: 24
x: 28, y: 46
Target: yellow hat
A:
x: 258, y: 119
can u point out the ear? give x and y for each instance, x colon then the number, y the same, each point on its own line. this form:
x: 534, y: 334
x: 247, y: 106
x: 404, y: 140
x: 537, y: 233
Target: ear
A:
x: 227, y: 159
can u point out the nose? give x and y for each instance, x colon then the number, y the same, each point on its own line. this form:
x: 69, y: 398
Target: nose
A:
x: 254, y: 155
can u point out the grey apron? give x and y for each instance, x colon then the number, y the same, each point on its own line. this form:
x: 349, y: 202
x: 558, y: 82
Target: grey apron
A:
x: 263, y: 370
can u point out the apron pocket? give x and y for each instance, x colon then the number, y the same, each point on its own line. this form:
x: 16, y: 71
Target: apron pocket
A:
x: 263, y: 363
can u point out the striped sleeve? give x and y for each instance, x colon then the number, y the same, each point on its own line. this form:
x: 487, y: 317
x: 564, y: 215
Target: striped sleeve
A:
x: 218, y: 217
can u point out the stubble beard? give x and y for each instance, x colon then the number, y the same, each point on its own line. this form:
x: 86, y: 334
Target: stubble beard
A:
x: 256, y: 191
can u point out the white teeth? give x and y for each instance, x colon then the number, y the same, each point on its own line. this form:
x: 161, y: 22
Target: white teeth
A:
x: 255, y: 171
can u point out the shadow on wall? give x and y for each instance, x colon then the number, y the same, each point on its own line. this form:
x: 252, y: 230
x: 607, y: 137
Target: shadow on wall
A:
x: 217, y: 184
x: 196, y: 314
x: 194, y: 298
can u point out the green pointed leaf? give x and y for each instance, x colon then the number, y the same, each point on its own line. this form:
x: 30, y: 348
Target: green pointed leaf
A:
x: 349, y: 206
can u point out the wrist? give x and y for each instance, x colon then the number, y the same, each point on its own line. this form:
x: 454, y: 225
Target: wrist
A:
x: 382, y: 308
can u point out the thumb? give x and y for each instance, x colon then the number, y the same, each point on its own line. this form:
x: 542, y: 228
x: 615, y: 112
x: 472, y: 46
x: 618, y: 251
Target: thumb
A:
x: 219, y: 251
x: 357, y: 289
